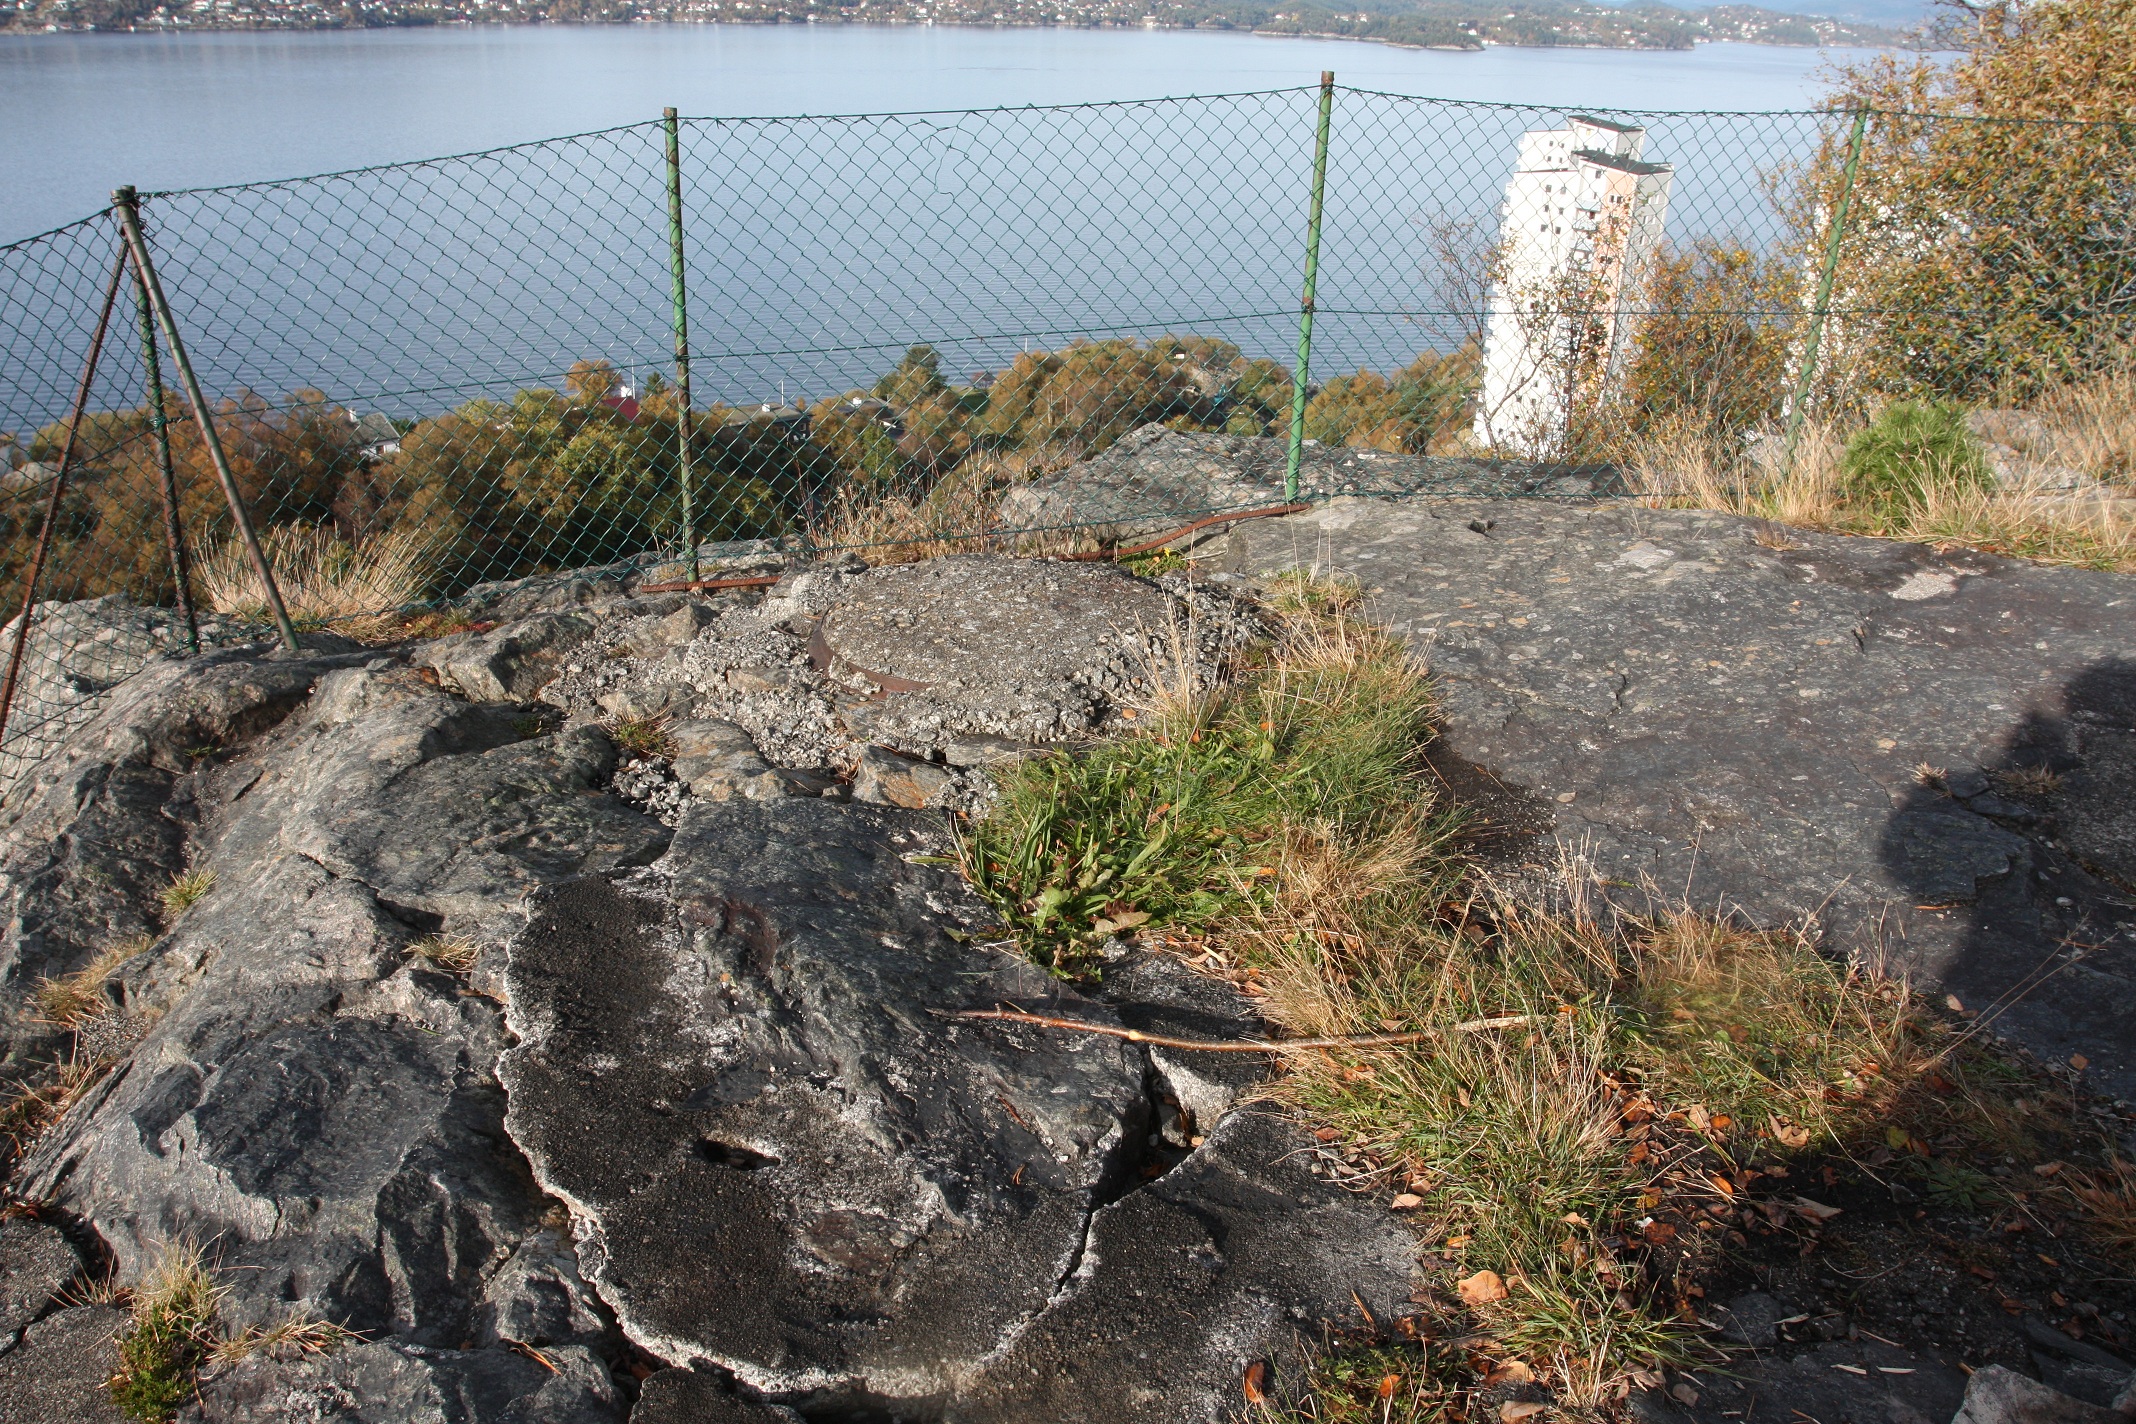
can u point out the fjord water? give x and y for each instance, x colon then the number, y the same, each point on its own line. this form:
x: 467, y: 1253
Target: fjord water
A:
x: 817, y: 250
x: 81, y: 114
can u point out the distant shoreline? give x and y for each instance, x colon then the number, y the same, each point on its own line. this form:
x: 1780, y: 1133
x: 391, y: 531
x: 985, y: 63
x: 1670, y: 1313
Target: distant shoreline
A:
x: 1899, y: 40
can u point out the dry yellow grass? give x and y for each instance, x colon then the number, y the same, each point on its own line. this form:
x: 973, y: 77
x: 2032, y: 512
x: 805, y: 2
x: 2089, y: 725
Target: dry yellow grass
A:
x: 71, y: 1000
x: 450, y: 953
x: 385, y: 629
x: 29, y: 1111
x: 2093, y: 426
x: 2052, y: 527
x: 321, y: 576
x: 296, y: 1334
x: 2108, y: 1200
x: 2091, y: 530
x: 958, y: 514
x: 176, y: 1333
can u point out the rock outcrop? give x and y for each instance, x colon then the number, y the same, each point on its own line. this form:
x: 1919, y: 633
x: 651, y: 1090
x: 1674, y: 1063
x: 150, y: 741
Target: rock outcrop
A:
x: 562, y: 1007
x: 544, y: 1089
x: 1155, y: 478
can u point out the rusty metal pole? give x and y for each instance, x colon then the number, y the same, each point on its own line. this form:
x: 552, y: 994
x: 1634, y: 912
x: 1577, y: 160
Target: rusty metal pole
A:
x: 128, y: 206
x: 59, y: 488
x: 160, y: 426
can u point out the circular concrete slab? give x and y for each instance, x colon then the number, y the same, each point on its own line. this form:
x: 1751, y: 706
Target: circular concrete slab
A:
x: 970, y: 621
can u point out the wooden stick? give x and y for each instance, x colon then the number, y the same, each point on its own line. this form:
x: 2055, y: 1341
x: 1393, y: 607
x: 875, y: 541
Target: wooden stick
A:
x: 1241, y: 1045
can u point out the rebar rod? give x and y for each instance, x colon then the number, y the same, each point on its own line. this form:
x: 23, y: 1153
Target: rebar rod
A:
x: 59, y: 488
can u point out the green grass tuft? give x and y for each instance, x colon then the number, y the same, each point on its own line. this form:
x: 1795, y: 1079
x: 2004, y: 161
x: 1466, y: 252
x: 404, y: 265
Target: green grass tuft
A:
x: 175, y: 1333
x: 642, y: 736
x: 186, y: 891
x: 1912, y: 447
x: 1180, y: 826
x: 173, y: 1313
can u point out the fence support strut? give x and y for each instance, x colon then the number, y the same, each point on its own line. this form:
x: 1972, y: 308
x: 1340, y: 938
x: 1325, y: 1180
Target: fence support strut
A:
x: 159, y: 425
x: 1823, y: 304
x: 1312, y: 281
x: 128, y: 206
x: 682, y: 335
x: 59, y: 488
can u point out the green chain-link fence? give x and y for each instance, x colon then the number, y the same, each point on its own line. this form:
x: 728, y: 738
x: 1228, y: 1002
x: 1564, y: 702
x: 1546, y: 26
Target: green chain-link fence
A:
x: 912, y: 329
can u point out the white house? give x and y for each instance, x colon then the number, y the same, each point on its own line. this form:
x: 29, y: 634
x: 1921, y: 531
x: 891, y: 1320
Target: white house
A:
x: 1581, y: 224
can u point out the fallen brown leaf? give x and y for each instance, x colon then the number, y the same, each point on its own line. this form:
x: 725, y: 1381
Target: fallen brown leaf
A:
x: 1517, y: 1409
x: 1789, y: 1135
x: 1482, y: 1288
x: 1407, y: 1201
x: 1256, y: 1382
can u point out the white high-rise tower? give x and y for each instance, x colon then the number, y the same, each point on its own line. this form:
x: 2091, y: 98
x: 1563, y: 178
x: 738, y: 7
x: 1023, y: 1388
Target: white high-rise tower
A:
x: 1577, y: 237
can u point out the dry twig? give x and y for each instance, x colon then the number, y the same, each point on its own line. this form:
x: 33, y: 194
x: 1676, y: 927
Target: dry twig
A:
x: 1242, y: 1045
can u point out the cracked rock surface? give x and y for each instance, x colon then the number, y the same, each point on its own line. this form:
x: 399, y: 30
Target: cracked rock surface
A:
x: 798, y: 1171
x: 788, y: 1166
x: 1933, y: 754
x: 308, y: 1097
x: 576, y: 1115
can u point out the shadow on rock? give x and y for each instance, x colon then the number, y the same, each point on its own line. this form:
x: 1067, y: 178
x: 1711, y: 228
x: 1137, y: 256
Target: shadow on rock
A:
x: 2037, y: 851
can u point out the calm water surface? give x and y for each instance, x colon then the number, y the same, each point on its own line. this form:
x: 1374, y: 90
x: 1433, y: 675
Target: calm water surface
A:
x: 80, y: 114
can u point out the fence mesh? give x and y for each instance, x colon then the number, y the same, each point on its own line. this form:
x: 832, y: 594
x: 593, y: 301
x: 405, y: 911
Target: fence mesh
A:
x: 1004, y: 325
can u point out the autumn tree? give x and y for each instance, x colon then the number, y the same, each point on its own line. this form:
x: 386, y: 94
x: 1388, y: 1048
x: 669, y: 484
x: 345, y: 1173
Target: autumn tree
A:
x: 1990, y: 251
x: 1711, y: 356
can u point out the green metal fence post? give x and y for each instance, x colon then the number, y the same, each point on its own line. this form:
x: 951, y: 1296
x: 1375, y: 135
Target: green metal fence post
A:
x: 127, y: 205
x: 159, y: 427
x: 682, y: 335
x: 1312, y: 281
x: 1822, y: 306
